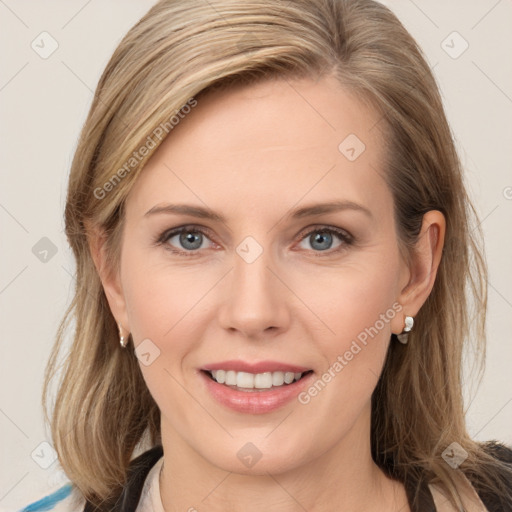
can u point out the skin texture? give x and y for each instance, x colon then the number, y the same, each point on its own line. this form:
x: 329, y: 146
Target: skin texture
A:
x: 253, y: 154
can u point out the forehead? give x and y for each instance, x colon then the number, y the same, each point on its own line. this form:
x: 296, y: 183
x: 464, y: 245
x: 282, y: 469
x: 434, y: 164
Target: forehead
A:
x: 274, y: 142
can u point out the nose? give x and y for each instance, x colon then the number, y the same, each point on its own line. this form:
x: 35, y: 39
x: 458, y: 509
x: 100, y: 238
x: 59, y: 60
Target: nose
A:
x: 255, y: 304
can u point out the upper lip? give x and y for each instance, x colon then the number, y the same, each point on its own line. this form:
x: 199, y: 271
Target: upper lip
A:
x: 259, y: 367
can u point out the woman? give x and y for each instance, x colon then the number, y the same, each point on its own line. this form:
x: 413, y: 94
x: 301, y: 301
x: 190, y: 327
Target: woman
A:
x: 274, y: 263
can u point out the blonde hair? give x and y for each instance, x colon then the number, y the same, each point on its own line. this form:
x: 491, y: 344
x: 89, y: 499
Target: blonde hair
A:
x: 178, y: 51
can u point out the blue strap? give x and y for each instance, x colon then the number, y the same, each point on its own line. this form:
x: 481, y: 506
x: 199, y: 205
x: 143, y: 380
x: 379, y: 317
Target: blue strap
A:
x: 49, y: 502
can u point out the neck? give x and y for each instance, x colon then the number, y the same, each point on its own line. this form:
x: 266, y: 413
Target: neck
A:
x: 345, y: 477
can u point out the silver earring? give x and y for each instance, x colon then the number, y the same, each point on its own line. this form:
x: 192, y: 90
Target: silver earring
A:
x: 404, y: 335
x: 122, y: 339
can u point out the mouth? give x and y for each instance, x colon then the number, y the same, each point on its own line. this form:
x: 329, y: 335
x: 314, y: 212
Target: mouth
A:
x: 255, y: 382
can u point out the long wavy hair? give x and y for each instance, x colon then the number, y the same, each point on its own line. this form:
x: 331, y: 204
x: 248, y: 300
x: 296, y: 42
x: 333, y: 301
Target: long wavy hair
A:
x: 103, y: 412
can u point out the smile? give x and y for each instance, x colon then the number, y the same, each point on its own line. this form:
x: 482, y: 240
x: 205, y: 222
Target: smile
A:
x: 249, y: 381
x: 250, y: 397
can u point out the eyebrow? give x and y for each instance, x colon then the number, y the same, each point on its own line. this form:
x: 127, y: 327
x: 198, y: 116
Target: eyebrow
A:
x: 298, y: 213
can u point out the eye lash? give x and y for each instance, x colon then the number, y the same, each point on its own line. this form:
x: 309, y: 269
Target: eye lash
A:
x: 168, y: 233
x: 161, y: 239
x: 344, y: 236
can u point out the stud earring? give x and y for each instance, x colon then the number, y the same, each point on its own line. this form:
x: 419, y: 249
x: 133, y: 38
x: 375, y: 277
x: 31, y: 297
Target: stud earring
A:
x: 122, y: 339
x: 404, y: 335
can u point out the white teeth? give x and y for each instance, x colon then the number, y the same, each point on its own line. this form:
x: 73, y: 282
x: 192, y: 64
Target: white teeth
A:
x: 230, y: 378
x: 250, y: 380
x: 288, y: 377
x: 244, y: 380
x: 277, y: 379
x: 262, y: 380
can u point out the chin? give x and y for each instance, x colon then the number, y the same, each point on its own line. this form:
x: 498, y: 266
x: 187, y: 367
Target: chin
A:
x: 246, y: 458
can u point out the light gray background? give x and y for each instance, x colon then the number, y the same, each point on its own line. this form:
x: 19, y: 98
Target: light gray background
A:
x: 43, y: 103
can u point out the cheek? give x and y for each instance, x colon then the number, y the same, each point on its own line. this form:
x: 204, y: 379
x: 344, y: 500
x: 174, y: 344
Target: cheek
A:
x: 358, y: 308
x: 158, y: 295
x: 163, y: 306
x: 353, y: 297
x: 364, y: 298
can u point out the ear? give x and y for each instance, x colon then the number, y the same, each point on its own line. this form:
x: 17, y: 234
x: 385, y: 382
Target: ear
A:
x: 110, y: 277
x: 423, y: 265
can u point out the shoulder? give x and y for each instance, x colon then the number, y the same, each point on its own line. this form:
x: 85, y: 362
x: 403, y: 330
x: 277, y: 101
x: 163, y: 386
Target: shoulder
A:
x: 498, y: 451
x: 67, y: 498
x: 475, y: 494
x: 492, y: 500
x: 62, y: 498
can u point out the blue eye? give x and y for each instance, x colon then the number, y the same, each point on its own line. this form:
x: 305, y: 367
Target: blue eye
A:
x: 324, y: 239
x: 321, y: 239
x: 189, y: 240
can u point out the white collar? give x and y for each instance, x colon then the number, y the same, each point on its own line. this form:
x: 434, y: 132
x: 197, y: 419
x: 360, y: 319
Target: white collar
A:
x: 150, y: 499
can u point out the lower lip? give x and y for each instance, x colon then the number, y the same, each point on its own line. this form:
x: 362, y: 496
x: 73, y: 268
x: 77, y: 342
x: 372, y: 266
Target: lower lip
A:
x: 255, y: 402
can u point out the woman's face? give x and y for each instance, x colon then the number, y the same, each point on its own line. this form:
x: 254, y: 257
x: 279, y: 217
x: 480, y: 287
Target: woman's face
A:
x: 276, y: 282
